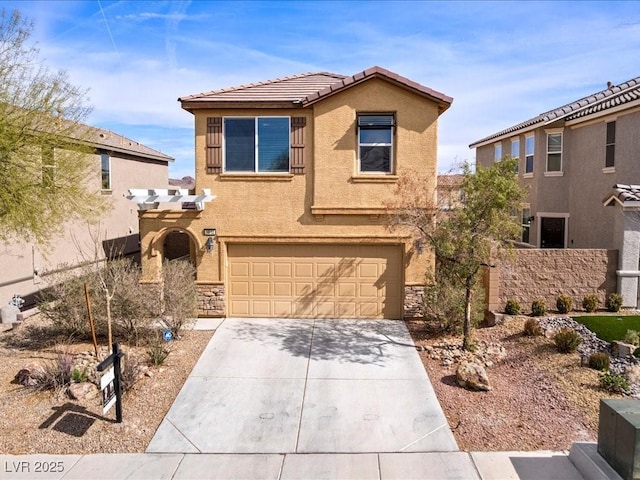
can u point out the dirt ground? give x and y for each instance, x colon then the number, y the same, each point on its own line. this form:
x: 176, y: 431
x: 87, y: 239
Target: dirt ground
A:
x: 540, y: 399
x: 45, y: 422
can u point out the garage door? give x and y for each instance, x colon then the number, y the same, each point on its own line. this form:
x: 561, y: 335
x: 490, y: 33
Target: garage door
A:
x: 326, y: 281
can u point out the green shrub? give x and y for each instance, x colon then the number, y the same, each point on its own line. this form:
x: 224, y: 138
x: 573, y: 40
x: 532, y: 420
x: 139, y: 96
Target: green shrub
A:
x: 599, y: 361
x: 157, y: 352
x: 79, y: 375
x: 590, y: 303
x: 614, y: 382
x: 614, y: 302
x: 632, y: 337
x: 532, y: 328
x: 538, y: 308
x: 564, y: 303
x: 567, y: 340
x: 512, y: 307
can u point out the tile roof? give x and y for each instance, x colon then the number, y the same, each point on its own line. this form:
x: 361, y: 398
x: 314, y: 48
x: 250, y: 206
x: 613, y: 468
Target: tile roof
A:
x: 307, y: 88
x: 450, y: 180
x: 612, y: 96
x: 108, y: 140
x: 625, y: 195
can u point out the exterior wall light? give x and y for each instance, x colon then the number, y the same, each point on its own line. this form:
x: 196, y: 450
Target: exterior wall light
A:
x: 419, y: 245
x: 210, y: 233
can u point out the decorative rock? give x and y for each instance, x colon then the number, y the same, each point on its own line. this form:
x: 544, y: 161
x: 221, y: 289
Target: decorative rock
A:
x: 492, y: 318
x: 27, y: 375
x: 82, y: 391
x: 9, y: 314
x: 633, y: 373
x: 472, y: 376
x: 621, y: 349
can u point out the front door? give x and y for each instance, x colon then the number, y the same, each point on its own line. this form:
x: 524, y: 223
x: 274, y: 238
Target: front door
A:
x: 552, y: 232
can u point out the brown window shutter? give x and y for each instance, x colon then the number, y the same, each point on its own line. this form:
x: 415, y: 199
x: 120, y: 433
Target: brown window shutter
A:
x: 214, y: 144
x: 298, y: 125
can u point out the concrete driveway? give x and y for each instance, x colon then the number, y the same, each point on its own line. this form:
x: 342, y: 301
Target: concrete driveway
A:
x: 306, y: 386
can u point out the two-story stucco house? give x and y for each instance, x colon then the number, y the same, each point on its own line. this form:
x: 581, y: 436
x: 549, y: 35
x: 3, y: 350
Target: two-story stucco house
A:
x: 569, y: 159
x: 120, y: 164
x: 302, y: 168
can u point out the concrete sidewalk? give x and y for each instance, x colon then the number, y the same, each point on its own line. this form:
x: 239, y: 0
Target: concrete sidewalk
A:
x: 373, y: 466
x: 306, y: 386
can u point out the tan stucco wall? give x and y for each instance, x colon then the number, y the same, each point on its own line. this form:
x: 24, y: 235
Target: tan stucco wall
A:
x: 75, y: 244
x: 312, y: 207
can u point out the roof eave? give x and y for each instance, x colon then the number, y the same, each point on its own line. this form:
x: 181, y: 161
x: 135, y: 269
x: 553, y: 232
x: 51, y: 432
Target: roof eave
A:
x: 191, y: 105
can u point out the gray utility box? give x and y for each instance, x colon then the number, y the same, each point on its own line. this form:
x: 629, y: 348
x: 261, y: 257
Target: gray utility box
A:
x: 619, y: 436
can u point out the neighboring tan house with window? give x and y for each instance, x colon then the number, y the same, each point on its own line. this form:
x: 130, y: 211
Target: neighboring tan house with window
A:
x: 120, y: 164
x: 301, y: 168
x: 569, y: 159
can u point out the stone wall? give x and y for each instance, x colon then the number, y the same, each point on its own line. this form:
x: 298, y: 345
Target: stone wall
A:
x: 546, y: 273
x: 211, y: 300
x: 414, y: 301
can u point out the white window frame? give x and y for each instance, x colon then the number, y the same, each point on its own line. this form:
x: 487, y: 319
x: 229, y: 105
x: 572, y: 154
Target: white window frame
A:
x: 104, y: 155
x: 548, y: 152
x: 497, y: 152
x: 529, y: 154
x: 516, y: 157
x: 255, y: 145
x: 392, y: 127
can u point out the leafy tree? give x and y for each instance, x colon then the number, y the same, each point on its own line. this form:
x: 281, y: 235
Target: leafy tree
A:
x: 45, y: 161
x: 473, y: 234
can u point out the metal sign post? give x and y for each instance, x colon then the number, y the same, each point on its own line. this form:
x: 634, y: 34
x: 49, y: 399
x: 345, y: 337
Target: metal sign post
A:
x: 112, y: 384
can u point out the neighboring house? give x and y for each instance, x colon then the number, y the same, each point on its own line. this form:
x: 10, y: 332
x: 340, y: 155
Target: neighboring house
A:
x: 120, y: 164
x: 302, y: 168
x: 449, y: 191
x: 569, y: 159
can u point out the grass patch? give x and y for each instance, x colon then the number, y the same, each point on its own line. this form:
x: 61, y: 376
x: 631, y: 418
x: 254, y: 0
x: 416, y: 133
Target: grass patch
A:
x: 610, y: 327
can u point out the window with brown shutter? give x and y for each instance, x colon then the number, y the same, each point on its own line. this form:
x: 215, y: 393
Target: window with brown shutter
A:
x: 214, y: 145
x: 298, y: 125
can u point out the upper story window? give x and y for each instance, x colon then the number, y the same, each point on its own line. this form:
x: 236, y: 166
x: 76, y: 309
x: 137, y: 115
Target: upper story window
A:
x: 105, y: 166
x: 257, y: 144
x: 375, y: 143
x: 554, y: 152
x: 515, y: 151
x: 529, y: 147
x: 497, y: 152
x: 610, y: 153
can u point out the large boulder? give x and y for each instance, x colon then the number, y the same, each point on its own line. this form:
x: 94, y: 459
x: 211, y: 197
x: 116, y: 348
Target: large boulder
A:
x: 82, y: 391
x: 472, y: 376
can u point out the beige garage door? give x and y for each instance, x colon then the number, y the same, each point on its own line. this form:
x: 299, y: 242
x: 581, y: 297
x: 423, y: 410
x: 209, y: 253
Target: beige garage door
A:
x: 326, y: 281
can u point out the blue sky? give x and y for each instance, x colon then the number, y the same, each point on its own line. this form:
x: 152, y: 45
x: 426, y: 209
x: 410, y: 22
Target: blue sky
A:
x: 502, y: 62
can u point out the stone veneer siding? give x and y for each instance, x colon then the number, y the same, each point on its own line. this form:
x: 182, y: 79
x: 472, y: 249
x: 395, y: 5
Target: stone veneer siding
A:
x: 211, y: 300
x: 546, y: 273
x: 414, y: 301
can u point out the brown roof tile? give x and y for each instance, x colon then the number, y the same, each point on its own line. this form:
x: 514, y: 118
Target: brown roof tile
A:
x: 306, y: 89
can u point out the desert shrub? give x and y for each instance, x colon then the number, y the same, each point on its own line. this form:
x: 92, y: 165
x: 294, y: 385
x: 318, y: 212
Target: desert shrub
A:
x: 64, y: 304
x: 538, y: 308
x: 632, y: 337
x: 179, y: 294
x: 444, y: 303
x: 614, y: 382
x: 599, y: 361
x: 79, y: 375
x: 130, y: 373
x: 564, y: 303
x: 613, y: 302
x: 567, y: 340
x: 55, y: 374
x: 133, y: 306
x: 532, y: 328
x: 512, y: 307
x: 590, y: 303
x: 158, y: 351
